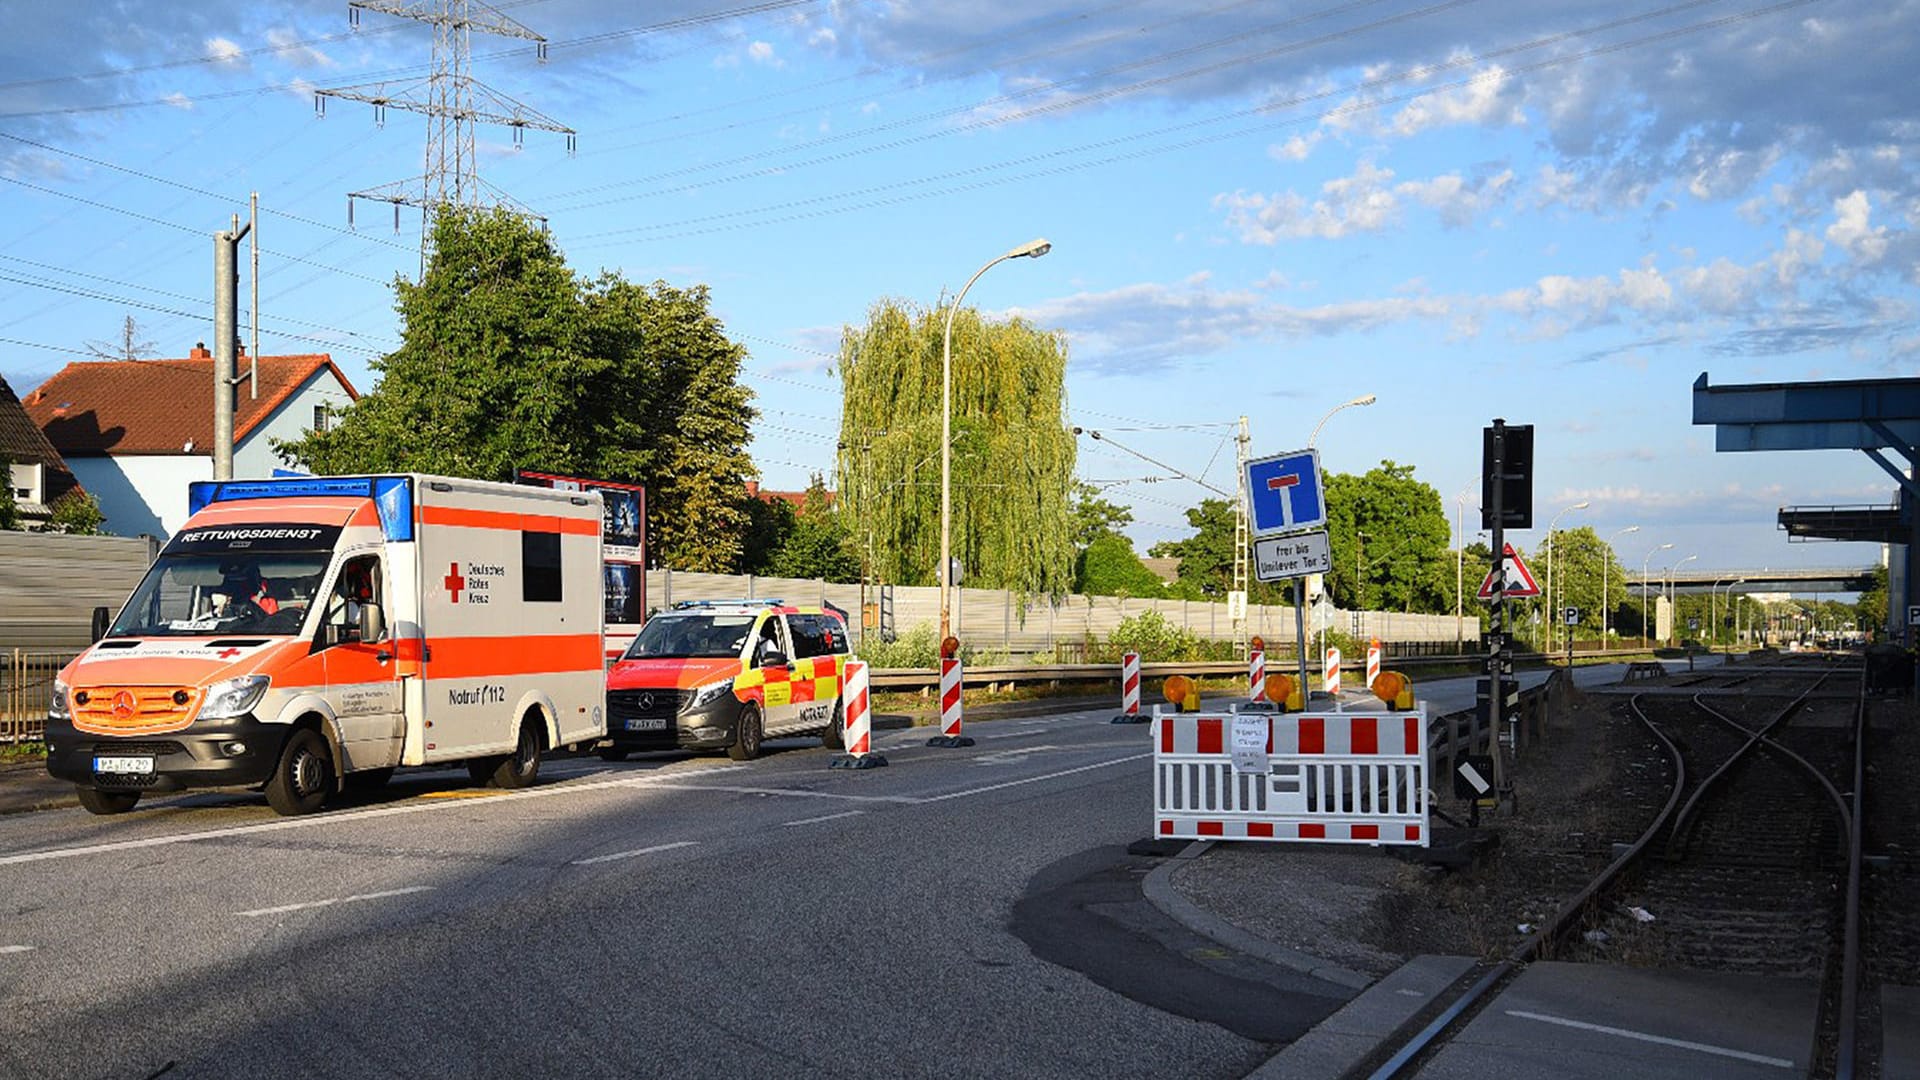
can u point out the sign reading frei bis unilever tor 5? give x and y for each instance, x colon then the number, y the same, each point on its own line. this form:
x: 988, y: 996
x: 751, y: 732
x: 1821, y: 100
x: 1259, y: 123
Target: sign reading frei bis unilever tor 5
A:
x: 1276, y: 558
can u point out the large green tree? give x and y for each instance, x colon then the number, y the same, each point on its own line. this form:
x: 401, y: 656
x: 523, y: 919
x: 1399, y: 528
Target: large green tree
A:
x: 818, y: 545
x: 1012, y: 450
x: 509, y: 360
x: 1206, y: 557
x: 1389, y: 539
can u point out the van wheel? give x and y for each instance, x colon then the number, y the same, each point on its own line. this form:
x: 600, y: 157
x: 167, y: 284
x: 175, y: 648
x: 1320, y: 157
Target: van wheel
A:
x: 299, y: 783
x: 520, y: 768
x: 746, y: 734
x: 106, y: 802
x: 835, y: 737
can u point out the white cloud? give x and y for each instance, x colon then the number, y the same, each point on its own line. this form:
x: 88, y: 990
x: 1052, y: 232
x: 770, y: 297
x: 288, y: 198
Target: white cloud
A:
x: 761, y: 52
x: 1457, y: 200
x: 1365, y: 202
x: 224, y: 51
x: 305, y: 56
x: 1490, y: 98
x: 1851, y: 233
x: 179, y: 100
x: 1296, y: 148
x: 823, y: 38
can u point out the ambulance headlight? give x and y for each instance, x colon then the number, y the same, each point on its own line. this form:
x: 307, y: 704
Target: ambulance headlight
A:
x: 707, y: 695
x: 57, y: 708
x: 234, y: 697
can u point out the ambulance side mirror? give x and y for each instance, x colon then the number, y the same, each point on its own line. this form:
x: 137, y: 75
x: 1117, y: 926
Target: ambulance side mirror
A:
x: 373, y: 624
x: 102, y: 618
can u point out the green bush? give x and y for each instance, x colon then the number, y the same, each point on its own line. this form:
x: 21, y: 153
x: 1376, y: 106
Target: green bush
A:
x: 1156, y: 640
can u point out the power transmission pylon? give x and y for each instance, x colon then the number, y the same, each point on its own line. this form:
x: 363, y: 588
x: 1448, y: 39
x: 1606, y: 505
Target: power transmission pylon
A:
x: 1240, y: 530
x: 452, y: 101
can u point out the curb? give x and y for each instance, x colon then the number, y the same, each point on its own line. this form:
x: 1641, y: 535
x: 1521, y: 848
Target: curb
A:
x: 1159, y: 890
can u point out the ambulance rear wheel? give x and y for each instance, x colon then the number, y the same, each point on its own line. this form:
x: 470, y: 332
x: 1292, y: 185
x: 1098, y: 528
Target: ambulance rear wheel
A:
x: 518, y: 769
x: 746, y: 734
x: 835, y: 737
x: 300, y: 783
x: 107, y: 802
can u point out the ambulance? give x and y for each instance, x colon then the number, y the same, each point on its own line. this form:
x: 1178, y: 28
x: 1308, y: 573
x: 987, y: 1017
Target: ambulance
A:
x: 302, y: 634
x: 726, y: 675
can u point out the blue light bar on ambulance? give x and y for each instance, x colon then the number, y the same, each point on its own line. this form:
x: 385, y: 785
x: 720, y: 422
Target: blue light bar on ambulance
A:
x: 392, y: 495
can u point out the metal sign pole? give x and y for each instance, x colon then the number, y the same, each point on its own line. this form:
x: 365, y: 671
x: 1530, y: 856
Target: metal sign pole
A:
x: 1497, y: 619
x: 1300, y: 635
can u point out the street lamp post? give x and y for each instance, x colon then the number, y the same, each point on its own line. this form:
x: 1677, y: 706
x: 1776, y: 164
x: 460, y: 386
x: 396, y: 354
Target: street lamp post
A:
x: 1460, y: 567
x: 1643, y: 592
x: 1030, y: 250
x: 1363, y: 399
x: 1551, y: 610
x: 1606, y: 564
x: 1672, y: 602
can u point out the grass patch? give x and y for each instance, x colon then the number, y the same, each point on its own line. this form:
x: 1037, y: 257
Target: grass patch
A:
x: 22, y: 751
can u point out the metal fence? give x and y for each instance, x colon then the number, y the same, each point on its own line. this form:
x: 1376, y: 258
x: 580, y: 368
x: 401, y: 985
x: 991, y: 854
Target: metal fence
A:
x: 25, y: 693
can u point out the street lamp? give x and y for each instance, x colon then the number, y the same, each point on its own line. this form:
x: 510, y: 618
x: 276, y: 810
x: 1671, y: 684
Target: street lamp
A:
x: 1581, y: 505
x: 1460, y: 565
x: 1031, y: 250
x: 1643, y: 592
x: 1364, y: 399
x: 1713, y: 605
x: 1606, y: 564
x: 1672, y: 627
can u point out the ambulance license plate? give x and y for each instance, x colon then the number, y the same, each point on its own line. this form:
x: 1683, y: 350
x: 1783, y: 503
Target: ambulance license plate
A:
x: 646, y: 723
x: 123, y: 765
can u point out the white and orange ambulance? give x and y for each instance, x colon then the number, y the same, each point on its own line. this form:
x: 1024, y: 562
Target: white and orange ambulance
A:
x: 302, y: 633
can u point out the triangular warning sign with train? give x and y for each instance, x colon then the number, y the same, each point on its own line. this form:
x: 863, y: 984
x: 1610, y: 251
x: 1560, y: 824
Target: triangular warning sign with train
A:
x: 1519, y: 579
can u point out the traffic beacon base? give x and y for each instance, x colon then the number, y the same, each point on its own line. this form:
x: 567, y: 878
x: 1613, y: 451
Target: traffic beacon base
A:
x: 952, y: 675
x: 857, y: 714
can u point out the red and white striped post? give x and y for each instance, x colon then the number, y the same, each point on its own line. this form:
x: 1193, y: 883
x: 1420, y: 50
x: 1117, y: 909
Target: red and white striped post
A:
x: 952, y: 675
x: 1256, y: 674
x: 856, y: 705
x: 1129, y: 690
x: 1330, y: 672
x: 1373, y: 661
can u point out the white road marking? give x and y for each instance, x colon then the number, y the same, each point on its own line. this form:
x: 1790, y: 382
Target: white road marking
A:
x: 15, y: 949
x: 797, y: 793
x: 344, y: 817
x: 829, y: 817
x: 1032, y: 779
x: 636, y: 851
x: 1742, y: 1055
x: 329, y: 902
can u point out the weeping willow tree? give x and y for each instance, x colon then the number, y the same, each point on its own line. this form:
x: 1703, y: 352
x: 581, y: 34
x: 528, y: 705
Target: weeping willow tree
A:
x: 1013, y: 452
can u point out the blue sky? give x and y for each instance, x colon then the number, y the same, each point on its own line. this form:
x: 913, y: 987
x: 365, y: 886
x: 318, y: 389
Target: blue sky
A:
x: 1556, y: 213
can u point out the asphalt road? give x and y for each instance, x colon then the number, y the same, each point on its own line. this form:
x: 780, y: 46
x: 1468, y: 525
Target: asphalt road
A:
x: 666, y: 915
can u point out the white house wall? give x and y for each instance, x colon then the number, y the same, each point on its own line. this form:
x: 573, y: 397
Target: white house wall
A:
x: 141, y: 494
x: 254, y: 456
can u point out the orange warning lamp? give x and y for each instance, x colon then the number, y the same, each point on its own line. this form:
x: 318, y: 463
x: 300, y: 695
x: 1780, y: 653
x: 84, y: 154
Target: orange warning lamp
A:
x: 949, y: 647
x: 1177, y: 689
x: 1279, y: 688
x: 1259, y: 643
x: 1394, y: 689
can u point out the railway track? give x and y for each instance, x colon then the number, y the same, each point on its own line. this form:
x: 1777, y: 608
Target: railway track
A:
x: 1752, y: 865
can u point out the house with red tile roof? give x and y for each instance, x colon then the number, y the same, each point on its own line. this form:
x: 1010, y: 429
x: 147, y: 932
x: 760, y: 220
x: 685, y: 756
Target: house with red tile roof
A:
x: 136, y: 432
x: 38, y: 475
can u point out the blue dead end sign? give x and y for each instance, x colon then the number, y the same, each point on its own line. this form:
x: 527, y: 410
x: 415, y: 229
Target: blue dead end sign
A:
x: 1284, y: 493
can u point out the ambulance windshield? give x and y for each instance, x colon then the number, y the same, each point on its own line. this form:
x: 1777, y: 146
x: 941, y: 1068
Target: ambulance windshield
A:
x: 687, y: 636
x: 265, y: 592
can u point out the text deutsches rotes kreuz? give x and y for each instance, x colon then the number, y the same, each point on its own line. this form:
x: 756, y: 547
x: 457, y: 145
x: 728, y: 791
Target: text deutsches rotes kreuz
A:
x: 479, y: 581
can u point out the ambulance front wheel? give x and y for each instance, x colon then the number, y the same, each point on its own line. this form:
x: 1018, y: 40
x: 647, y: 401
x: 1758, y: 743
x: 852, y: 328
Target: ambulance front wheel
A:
x: 106, y: 802
x: 746, y: 734
x: 300, y: 783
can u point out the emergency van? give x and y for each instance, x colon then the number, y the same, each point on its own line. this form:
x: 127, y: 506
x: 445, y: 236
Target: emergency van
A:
x: 298, y: 634
x: 727, y: 674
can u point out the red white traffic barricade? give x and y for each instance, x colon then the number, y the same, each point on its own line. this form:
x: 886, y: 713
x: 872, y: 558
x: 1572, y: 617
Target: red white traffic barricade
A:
x: 1335, y: 778
x: 1130, y: 684
x: 1256, y: 674
x: 1330, y: 671
x: 950, y: 704
x: 1373, y: 662
x: 856, y: 704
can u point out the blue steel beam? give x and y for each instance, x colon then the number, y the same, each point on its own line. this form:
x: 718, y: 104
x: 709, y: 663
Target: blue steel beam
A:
x: 1839, y: 415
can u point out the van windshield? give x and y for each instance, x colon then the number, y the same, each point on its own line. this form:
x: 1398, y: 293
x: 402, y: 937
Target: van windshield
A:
x: 184, y: 595
x: 686, y: 636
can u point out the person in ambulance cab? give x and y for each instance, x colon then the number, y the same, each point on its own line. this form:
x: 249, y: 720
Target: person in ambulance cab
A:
x: 353, y: 592
x: 243, y: 593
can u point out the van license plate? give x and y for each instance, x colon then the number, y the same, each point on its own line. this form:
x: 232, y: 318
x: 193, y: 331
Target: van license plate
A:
x: 646, y: 723
x: 123, y: 765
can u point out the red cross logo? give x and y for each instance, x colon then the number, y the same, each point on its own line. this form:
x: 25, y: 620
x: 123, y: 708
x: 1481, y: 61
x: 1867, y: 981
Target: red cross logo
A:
x: 227, y: 654
x: 454, y: 581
